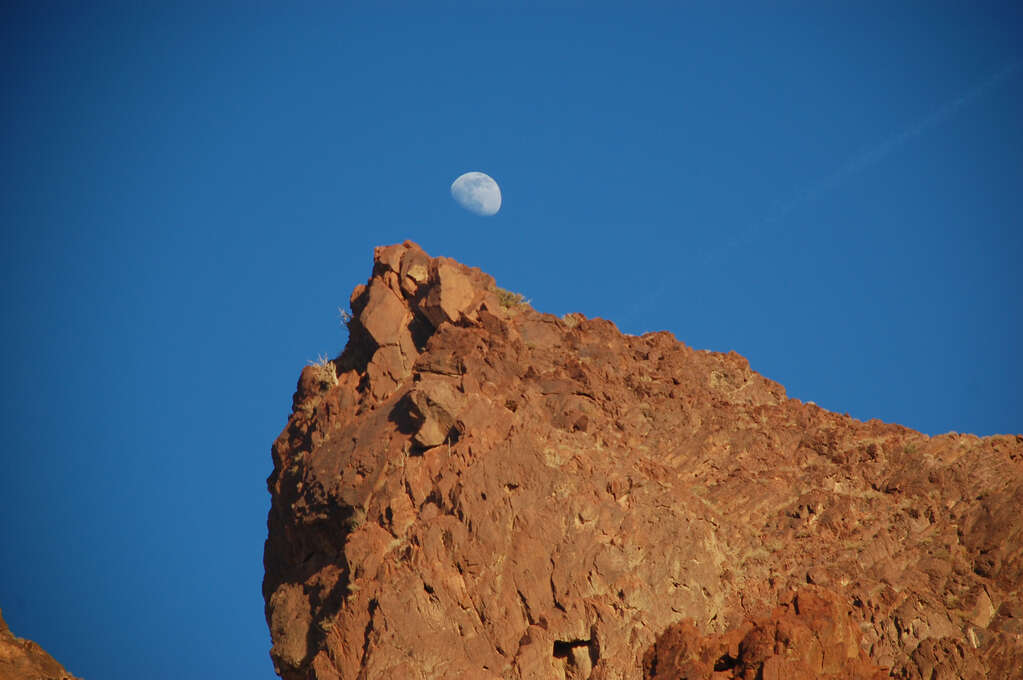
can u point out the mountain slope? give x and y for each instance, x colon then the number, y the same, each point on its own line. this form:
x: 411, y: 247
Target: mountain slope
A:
x: 475, y: 489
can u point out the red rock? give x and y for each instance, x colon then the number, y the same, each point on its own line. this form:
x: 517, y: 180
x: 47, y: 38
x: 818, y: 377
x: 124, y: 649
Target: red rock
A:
x: 289, y: 625
x: 385, y: 314
x: 22, y: 659
x: 388, y: 258
x: 453, y: 294
x: 812, y: 635
x: 388, y: 367
x: 415, y: 270
x: 436, y: 403
x: 488, y: 491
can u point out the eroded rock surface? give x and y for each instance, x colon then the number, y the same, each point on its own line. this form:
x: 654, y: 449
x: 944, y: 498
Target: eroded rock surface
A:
x: 22, y: 659
x: 482, y: 491
x: 814, y: 634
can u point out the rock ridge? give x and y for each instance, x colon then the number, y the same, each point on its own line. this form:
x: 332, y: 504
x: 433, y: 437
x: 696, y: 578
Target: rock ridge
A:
x: 476, y: 489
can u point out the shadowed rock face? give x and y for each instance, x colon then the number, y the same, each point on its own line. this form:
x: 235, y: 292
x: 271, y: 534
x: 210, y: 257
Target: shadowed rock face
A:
x: 22, y: 659
x: 483, y: 491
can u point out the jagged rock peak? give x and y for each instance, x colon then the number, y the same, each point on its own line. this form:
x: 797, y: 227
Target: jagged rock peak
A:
x: 475, y: 489
x: 408, y: 297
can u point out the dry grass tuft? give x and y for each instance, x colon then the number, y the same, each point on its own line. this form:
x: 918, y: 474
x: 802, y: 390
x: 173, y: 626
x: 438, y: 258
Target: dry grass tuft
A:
x: 327, y: 370
x: 509, y: 299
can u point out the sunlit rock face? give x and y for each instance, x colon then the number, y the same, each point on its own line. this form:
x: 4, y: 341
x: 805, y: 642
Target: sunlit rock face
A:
x: 475, y: 489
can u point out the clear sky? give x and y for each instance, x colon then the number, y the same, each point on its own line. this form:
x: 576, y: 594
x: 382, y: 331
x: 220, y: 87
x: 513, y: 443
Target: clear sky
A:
x: 189, y: 194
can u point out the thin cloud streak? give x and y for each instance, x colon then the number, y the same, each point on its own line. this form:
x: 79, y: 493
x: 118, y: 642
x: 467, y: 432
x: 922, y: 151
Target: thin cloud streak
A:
x: 859, y: 162
x: 863, y: 160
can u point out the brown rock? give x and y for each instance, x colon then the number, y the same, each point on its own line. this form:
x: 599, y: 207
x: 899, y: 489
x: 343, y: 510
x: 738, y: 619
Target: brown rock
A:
x: 814, y: 634
x: 386, y: 370
x: 22, y: 659
x: 487, y: 491
x: 388, y: 258
x: 415, y: 270
x: 436, y: 403
x: 289, y: 624
x: 453, y: 295
x: 940, y: 658
x: 385, y: 314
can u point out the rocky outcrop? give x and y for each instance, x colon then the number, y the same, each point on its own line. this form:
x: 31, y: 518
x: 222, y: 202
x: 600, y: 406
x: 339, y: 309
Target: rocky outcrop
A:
x: 475, y: 489
x: 813, y: 634
x: 22, y: 659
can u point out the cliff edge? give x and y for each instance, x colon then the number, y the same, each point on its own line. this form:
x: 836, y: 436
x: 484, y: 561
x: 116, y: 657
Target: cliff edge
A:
x: 475, y: 489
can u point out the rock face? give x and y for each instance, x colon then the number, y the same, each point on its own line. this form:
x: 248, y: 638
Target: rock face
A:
x: 813, y: 635
x: 477, y: 490
x: 22, y: 659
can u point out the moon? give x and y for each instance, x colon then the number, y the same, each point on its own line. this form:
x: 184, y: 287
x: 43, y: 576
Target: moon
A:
x: 478, y: 193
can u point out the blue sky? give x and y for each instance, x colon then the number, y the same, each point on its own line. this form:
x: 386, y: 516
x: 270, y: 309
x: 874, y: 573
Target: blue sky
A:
x: 189, y: 194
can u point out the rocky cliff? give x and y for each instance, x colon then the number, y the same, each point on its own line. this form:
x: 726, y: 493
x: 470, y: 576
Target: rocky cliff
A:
x: 22, y: 659
x: 474, y: 489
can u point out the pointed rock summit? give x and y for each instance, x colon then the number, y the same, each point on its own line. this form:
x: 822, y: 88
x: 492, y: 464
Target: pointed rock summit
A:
x: 474, y: 489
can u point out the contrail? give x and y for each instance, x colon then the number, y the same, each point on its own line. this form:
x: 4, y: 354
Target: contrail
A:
x: 873, y: 155
x: 857, y: 163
